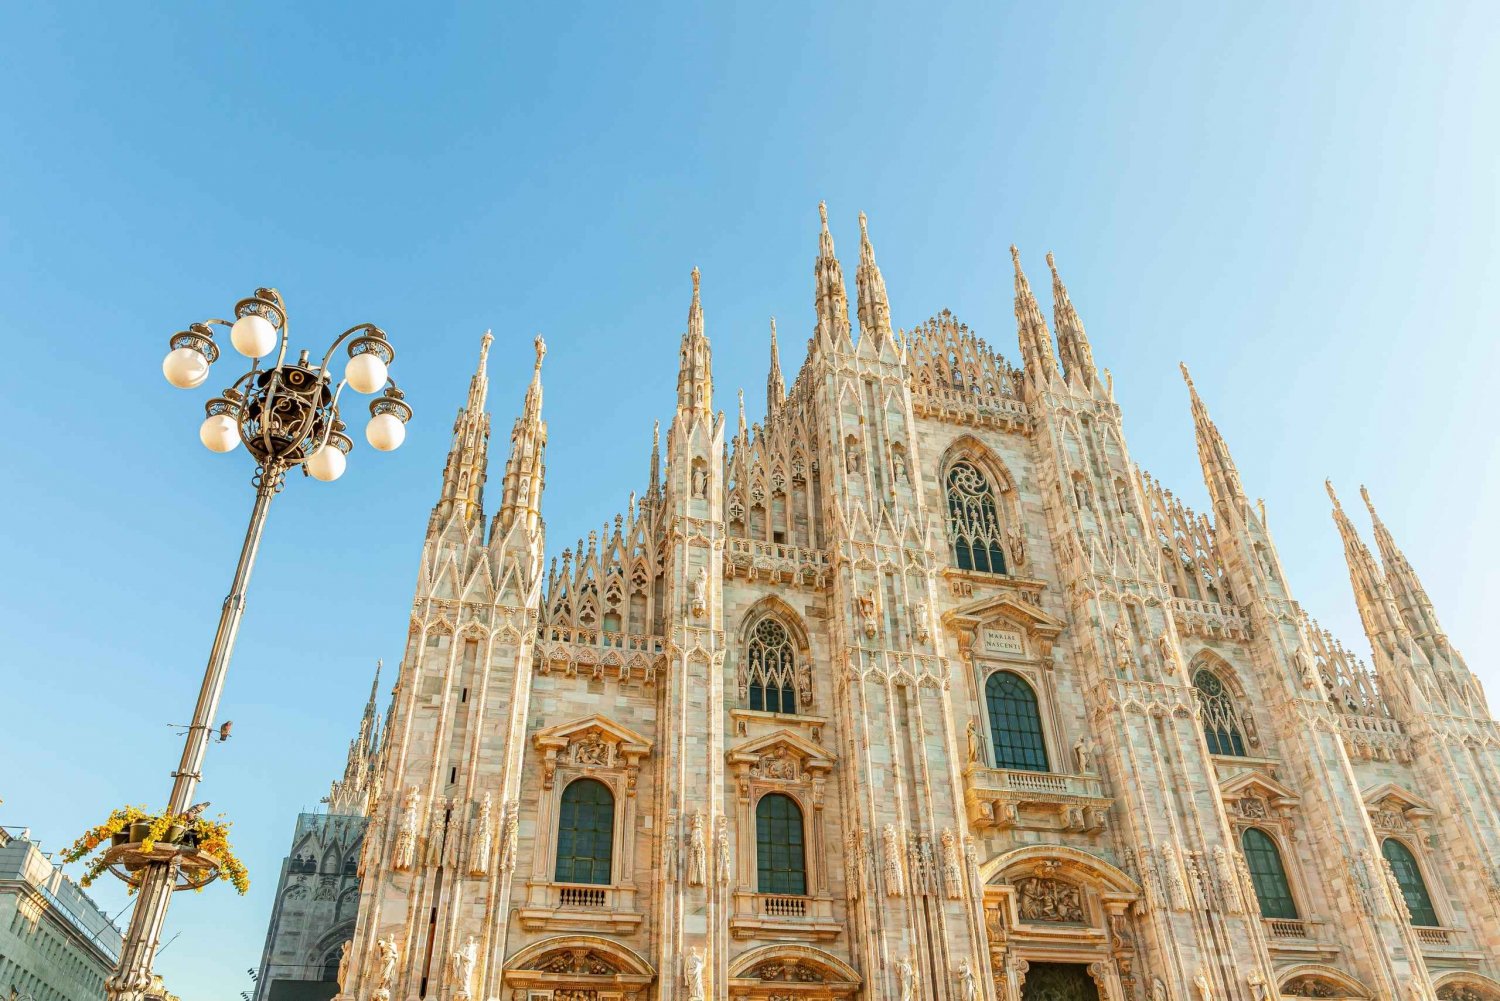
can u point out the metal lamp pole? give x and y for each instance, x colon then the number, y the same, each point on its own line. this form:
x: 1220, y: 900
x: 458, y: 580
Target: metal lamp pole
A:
x: 286, y: 415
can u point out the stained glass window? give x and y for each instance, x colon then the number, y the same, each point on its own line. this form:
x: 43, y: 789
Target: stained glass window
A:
x: 771, y: 668
x: 1268, y: 875
x: 778, y: 846
x: 1221, y: 724
x: 973, y: 521
x: 1015, y: 723
x: 585, y: 833
x: 1413, y: 886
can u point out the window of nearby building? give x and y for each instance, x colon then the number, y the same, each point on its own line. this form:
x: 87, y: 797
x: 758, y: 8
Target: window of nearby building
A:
x: 973, y: 520
x: 1221, y: 724
x: 779, y: 846
x: 1413, y: 886
x: 585, y: 833
x: 1015, y: 723
x: 771, y: 667
x: 1268, y: 875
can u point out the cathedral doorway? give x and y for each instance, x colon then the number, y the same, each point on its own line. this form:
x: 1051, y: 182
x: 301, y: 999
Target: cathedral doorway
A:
x: 1059, y: 982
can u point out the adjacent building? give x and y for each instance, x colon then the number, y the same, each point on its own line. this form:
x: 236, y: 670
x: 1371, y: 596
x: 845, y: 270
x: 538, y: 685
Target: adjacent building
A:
x: 919, y: 690
x: 55, y: 942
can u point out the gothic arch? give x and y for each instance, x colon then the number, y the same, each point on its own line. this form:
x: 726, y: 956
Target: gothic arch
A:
x: 578, y: 962
x: 1244, y: 720
x: 1092, y: 867
x: 1010, y: 531
x: 1452, y: 985
x: 1323, y: 975
x: 756, y: 681
x: 766, y: 971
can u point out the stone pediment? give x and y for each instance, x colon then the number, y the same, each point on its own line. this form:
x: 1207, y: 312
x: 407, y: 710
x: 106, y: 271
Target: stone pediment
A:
x: 1253, y: 782
x: 1012, y: 615
x: 630, y: 744
x: 1390, y: 796
x: 781, y: 754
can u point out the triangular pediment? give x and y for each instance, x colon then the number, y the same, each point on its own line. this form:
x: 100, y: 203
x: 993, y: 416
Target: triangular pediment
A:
x: 779, y: 742
x: 1005, y: 607
x: 1392, y: 796
x: 1253, y: 782
x: 605, y: 728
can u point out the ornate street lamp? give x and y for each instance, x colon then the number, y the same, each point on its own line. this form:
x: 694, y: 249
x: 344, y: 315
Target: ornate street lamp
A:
x: 286, y: 415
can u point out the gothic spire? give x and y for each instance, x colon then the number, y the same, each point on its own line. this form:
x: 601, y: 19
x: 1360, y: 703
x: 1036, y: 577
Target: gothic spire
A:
x: 462, y: 495
x: 1377, y: 608
x: 743, y: 435
x: 655, y: 483
x: 1072, y: 343
x: 775, y: 384
x: 525, y: 469
x: 874, y: 304
x: 830, y: 300
x: 1219, y: 472
x: 368, y: 733
x: 1031, y: 329
x: 695, y: 381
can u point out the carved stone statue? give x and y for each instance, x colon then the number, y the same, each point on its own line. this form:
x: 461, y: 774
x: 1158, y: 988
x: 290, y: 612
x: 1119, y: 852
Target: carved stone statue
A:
x: 508, y: 845
x: 968, y: 986
x: 389, y: 954
x: 953, y: 870
x: 972, y: 733
x: 898, y: 467
x: 692, y: 975
x: 1122, y: 645
x: 700, y: 593
x: 1082, y: 755
x: 867, y: 612
x: 1042, y: 898
x: 669, y: 849
x: 1015, y: 540
x: 1205, y: 989
x: 465, y: 958
x: 894, y: 882
x: 484, y: 839
x: 1415, y: 990
x: 1167, y: 652
x: 906, y: 980
x: 726, y: 863
x: 344, y: 967
x: 697, y: 851
x: 1229, y: 884
x: 919, y: 622
x: 406, y: 836
x: 700, y: 481
x: 1257, y: 985
x: 1159, y: 990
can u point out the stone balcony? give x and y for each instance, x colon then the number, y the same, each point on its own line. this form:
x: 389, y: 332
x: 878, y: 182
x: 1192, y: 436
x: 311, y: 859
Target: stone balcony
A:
x: 599, y: 654
x: 579, y: 905
x: 967, y: 407
x: 775, y: 563
x: 1374, y: 738
x: 1002, y: 798
x: 780, y: 916
x: 1208, y: 619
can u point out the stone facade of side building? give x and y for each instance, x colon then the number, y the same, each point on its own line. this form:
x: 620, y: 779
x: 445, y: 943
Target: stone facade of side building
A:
x: 919, y: 690
x: 312, y: 913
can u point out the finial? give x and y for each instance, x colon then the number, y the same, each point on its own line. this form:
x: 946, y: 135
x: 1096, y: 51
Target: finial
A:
x: 541, y: 350
x: 656, y: 434
x: 742, y: 410
x: 773, y: 332
x: 823, y: 213
x: 1328, y: 485
x: 1365, y: 494
x: 696, y: 279
x: 1015, y: 258
x: 1052, y: 263
x: 864, y: 230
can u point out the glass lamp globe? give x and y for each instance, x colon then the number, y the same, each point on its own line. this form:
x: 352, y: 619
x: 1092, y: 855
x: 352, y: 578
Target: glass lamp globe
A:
x: 366, y: 372
x: 385, y: 432
x: 326, y: 464
x: 185, y: 368
x: 253, y: 335
x: 219, y: 433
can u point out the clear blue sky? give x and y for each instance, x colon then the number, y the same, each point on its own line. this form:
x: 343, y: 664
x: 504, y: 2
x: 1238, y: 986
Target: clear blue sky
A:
x: 1297, y: 199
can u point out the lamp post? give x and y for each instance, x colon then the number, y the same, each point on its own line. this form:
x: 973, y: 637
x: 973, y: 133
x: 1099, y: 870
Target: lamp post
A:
x: 285, y: 414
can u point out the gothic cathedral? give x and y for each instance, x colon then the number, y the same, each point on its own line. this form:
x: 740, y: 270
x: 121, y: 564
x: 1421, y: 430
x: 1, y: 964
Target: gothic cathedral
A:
x: 919, y: 691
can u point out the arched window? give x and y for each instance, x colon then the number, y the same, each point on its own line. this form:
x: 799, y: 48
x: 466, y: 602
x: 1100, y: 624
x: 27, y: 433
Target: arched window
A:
x: 1221, y: 725
x: 585, y: 833
x: 331, y: 965
x: 1268, y: 875
x: 1015, y: 723
x: 973, y: 522
x: 771, y: 668
x: 1413, y: 886
x: 779, y: 852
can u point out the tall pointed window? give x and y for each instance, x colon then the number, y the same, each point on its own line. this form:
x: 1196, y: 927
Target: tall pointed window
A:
x: 771, y: 668
x: 973, y: 520
x: 780, y: 859
x: 1268, y: 874
x: 1221, y: 724
x: 585, y: 833
x: 1413, y: 886
x: 1015, y: 723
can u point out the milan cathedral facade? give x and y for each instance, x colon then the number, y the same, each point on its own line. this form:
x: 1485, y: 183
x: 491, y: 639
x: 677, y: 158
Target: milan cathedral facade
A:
x: 921, y: 690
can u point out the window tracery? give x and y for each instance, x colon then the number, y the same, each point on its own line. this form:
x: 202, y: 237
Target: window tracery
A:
x: 770, y: 679
x: 974, y: 527
x: 1221, y: 723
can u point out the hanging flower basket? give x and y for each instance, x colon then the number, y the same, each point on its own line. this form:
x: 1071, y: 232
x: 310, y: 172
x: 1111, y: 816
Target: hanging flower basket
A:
x: 132, y: 840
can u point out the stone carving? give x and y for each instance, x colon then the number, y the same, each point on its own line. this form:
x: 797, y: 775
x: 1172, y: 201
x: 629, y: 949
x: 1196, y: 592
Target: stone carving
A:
x: 898, y: 465
x: 406, y: 835
x: 343, y: 976
x: 1042, y: 898
x: 1257, y: 985
x: 389, y: 954
x: 484, y: 839
x: 726, y: 864
x: 777, y: 763
x: 669, y: 849
x: 465, y: 957
x: 1415, y: 990
x: 953, y: 870
x: 1228, y: 880
x: 700, y: 480
x: 968, y: 985
x: 780, y: 970
x: 1122, y: 645
x: 1310, y: 987
x: 1100, y: 976
x: 1159, y: 991
x: 512, y: 832
x: 697, y: 850
x: 1082, y: 755
x: 920, y: 865
x: 700, y: 593
x: 1172, y: 873
x: 852, y: 455
x: 919, y: 622
x: 906, y: 980
x: 1205, y: 989
x: 437, y: 835
x: 894, y: 880
x: 867, y: 612
x: 575, y: 962
x: 804, y: 684
x: 971, y: 732
x: 1015, y: 541
x: 1167, y: 651
x: 591, y: 750
x: 692, y: 975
